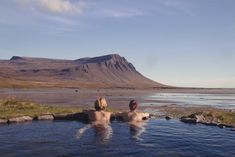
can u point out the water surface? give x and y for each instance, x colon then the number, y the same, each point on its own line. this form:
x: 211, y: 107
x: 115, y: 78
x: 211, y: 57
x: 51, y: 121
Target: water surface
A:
x: 158, y: 137
x: 224, y: 101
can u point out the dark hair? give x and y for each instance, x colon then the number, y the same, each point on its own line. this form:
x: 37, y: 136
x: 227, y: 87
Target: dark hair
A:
x: 133, y: 105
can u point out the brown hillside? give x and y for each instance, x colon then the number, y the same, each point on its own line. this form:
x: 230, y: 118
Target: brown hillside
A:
x: 110, y: 71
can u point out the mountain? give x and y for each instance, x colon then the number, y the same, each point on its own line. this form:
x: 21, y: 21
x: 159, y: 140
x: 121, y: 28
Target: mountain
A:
x: 109, y: 71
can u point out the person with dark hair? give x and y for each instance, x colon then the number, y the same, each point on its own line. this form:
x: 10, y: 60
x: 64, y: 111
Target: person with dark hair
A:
x: 133, y: 105
x: 136, y: 120
x: 133, y: 115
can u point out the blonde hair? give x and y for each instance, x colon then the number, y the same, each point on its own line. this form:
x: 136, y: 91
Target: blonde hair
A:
x: 100, y: 104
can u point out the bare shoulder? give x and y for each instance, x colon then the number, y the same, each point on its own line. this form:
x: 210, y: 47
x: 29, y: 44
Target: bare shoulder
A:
x: 107, y: 113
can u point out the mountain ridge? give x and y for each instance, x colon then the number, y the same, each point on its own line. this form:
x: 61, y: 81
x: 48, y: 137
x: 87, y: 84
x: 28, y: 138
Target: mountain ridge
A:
x: 108, y: 71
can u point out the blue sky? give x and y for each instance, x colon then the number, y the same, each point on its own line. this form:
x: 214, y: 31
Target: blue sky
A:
x: 176, y: 42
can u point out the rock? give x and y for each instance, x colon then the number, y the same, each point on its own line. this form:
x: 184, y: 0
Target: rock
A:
x: 204, y: 118
x: 225, y: 126
x: 191, y: 118
x: 20, y: 119
x: 45, y: 117
x: 188, y: 120
x: 3, y: 121
x: 221, y: 126
x: 215, y: 121
x: 168, y: 118
x: 199, y: 118
x: 60, y: 116
x: 82, y: 117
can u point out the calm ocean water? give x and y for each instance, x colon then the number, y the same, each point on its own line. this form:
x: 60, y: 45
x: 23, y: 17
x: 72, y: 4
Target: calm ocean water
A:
x: 158, y: 137
x: 225, y: 101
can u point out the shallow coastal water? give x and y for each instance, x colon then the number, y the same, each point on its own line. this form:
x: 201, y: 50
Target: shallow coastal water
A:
x: 223, y: 101
x: 158, y: 137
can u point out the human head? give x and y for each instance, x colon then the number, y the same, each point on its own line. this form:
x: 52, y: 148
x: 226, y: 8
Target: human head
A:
x: 100, y: 104
x: 133, y: 105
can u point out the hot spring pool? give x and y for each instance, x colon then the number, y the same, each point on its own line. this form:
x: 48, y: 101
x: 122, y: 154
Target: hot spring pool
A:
x: 158, y: 137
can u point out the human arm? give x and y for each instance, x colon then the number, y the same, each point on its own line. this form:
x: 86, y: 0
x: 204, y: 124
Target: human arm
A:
x: 120, y: 116
x: 87, y: 111
x: 144, y: 116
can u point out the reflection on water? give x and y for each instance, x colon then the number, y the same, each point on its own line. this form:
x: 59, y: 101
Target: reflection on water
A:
x: 82, y: 130
x: 157, y: 137
x: 136, y: 129
x: 103, y: 132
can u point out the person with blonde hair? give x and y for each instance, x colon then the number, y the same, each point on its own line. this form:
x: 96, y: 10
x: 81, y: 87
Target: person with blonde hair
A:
x: 100, y: 104
x: 99, y: 115
x: 99, y: 120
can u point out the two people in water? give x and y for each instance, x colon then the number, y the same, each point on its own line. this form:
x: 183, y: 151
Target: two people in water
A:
x: 100, y: 119
x: 101, y: 116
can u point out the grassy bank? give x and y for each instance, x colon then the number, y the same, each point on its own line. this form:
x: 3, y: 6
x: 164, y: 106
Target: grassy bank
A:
x: 11, y: 108
x: 225, y: 117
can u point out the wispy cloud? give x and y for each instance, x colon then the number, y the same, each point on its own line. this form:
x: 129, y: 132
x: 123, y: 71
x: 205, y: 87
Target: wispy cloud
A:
x: 62, y: 15
x: 60, y: 24
x: 61, y: 20
x: 118, y: 13
x: 180, y: 5
x: 55, y: 6
x: 78, y: 7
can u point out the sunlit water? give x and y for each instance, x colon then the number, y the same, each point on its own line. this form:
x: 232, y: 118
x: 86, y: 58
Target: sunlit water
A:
x: 225, y: 101
x: 158, y: 137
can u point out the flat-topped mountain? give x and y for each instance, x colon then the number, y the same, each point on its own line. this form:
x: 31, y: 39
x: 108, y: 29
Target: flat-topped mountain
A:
x: 109, y: 71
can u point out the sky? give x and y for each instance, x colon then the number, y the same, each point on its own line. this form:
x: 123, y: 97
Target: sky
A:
x: 188, y: 43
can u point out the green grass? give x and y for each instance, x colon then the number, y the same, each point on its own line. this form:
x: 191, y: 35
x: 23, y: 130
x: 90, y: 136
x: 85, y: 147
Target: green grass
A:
x: 225, y: 117
x: 10, y: 108
x: 13, y: 108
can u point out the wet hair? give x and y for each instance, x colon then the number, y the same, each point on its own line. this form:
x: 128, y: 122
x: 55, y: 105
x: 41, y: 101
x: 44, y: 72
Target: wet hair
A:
x: 100, y: 104
x: 133, y: 105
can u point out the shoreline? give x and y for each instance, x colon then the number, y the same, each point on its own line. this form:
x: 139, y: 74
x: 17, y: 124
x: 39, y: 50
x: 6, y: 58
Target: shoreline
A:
x: 118, y: 99
x: 17, y: 112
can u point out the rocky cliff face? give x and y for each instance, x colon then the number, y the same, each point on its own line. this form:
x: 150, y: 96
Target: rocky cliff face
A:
x: 109, y: 71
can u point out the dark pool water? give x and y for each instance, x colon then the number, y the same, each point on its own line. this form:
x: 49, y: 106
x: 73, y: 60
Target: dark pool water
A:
x: 158, y: 137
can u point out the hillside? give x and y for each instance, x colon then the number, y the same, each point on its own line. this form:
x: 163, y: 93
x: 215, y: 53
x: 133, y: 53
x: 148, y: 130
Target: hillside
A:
x: 109, y: 71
